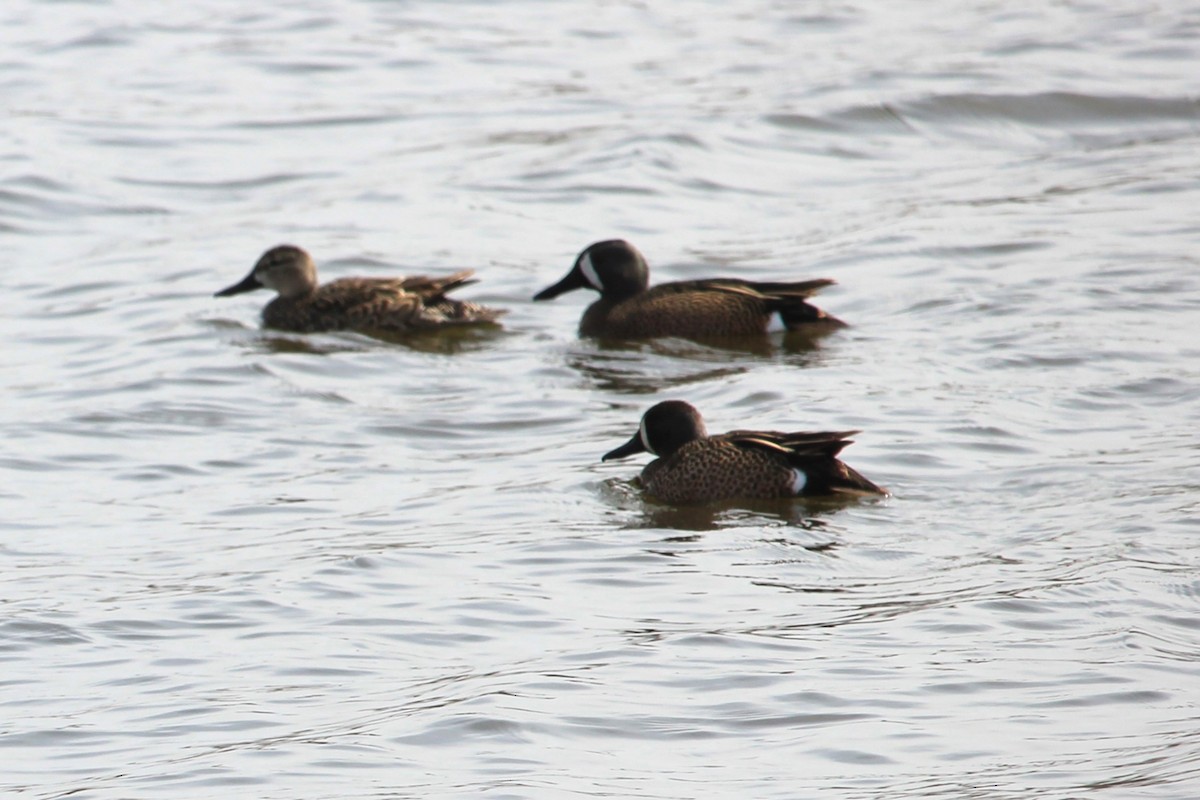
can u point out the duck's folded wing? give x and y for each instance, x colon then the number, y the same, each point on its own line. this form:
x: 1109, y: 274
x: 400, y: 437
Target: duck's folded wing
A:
x: 797, y: 443
x: 437, y: 286
x: 765, y: 289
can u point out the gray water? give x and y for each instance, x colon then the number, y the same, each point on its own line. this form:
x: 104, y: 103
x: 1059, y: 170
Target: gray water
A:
x: 239, y: 563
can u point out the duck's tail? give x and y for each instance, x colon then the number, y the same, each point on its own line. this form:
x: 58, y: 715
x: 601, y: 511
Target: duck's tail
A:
x: 816, y: 453
x: 790, y: 300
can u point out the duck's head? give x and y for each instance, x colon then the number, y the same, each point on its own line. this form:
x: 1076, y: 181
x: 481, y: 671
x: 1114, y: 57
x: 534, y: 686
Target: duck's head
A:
x: 665, y: 428
x: 614, y: 268
x: 287, y: 269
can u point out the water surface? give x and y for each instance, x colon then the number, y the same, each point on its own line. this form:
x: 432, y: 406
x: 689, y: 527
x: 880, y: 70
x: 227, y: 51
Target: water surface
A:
x: 245, y: 563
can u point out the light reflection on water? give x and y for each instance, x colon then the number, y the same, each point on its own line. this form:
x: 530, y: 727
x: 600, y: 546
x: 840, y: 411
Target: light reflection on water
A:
x: 238, y: 560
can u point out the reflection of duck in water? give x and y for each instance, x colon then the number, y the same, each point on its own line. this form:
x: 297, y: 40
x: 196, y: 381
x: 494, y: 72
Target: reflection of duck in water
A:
x: 693, y: 467
x: 629, y: 308
x: 385, y: 305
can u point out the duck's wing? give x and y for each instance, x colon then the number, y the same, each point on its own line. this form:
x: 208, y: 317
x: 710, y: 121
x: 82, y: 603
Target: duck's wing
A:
x: 797, y: 443
x: 814, y: 452
x: 760, y: 289
x: 434, y: 287
x: 789, y: 298
x: 408, y: 303
x: 347, y: 290
x: 364, y: 303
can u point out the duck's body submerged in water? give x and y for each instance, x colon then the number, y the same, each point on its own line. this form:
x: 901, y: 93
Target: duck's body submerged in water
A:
x: 693, y: 467
x: 381, y: 305
x: 629, y: 308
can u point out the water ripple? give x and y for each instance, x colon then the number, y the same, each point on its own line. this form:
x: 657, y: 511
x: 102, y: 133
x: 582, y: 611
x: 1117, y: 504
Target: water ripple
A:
x: 244, y: 560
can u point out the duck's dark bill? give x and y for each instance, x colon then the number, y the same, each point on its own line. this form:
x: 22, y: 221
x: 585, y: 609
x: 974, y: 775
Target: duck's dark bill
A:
x: 574, y: 280
x: 248, y: 284
x: 634, y: 445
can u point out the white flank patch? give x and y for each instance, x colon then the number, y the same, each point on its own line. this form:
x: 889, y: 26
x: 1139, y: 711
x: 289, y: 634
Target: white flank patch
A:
x: 799, y: 479
x: 589, y: 272
x: 645, y: 439
x: 775, y: 323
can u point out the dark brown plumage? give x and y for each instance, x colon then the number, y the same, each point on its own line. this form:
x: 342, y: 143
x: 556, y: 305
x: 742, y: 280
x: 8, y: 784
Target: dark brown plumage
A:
x: 693, y: 467
x: 629, y: 308
x: 383, y: 305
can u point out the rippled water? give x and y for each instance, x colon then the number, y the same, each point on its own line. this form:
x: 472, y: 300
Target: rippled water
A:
x: 243, y: 563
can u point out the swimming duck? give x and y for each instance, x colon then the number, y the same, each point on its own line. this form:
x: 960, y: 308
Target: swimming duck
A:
x: 704, y: 309
x: 693, y: 467
x: 387, y: 305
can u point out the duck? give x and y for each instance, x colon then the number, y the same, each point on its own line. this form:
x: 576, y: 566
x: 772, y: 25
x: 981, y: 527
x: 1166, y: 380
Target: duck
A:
x: 629, y: 308
x: 694, y: 468
x: 380, y: 305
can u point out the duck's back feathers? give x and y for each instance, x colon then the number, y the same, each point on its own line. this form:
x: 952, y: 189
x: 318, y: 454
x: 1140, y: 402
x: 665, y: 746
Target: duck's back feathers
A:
x: 393, y: 305
x: 789, y: 299
x: 765, y: 289
x: 757, y: 465
x: 706, y: 309
x: 800, y: 443
x: 433, y: 287
x: 813, y: 453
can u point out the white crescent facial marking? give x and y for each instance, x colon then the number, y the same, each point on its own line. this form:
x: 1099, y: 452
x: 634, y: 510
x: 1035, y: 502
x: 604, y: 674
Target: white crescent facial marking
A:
x: 266, y: 276
x: 775, y: 323
x: 799, y: 479
x: 589, y: 272
x: 645, y: 439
